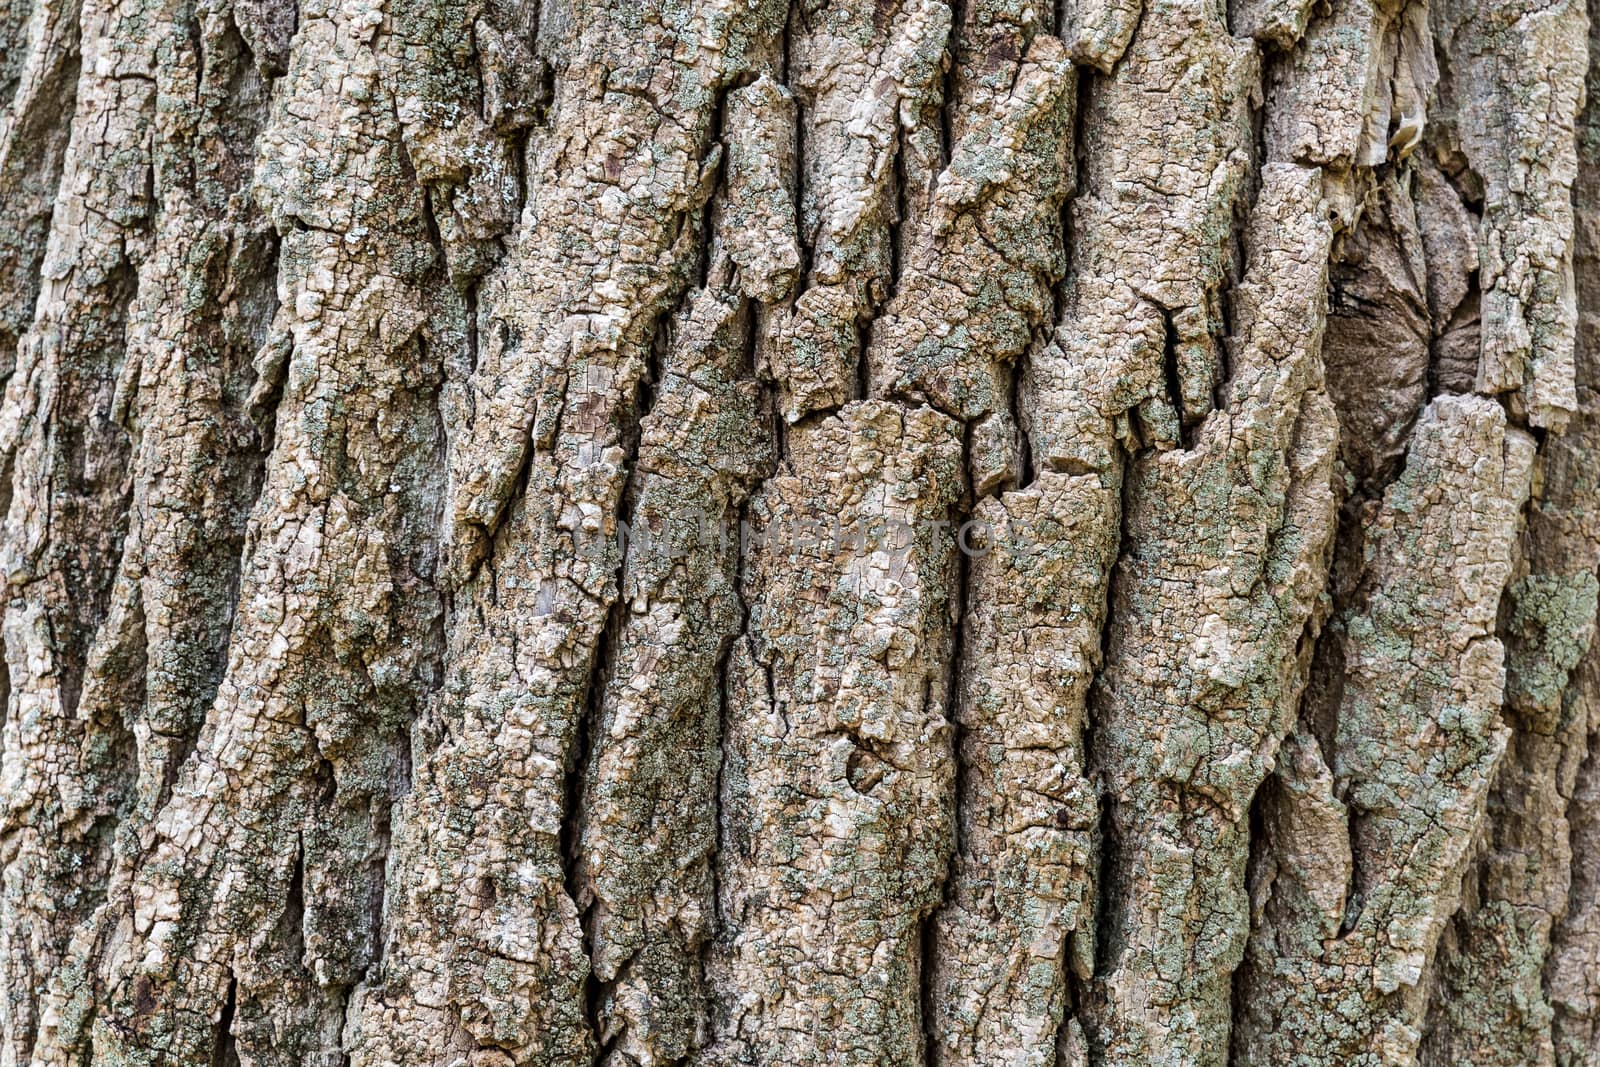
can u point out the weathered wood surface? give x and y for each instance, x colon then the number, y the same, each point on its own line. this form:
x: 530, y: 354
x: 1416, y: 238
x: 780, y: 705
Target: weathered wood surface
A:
x: 799, y: 532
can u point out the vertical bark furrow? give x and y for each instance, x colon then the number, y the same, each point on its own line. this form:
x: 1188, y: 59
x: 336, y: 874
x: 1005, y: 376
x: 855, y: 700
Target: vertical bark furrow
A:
x: 1501, y: 981
x: 1135, y: 364
x: 1202, y: 659
x: 838, y: 786
x: 39, y: 82
x: 1415, y: 276
x: 649, y: 806
x: 866, y: 78
x: 1415, y: 739
x: 980, y: 285
x: 253, y: 884
x: 1571, y: 977
x: 66, y: 765
x: 1512, y: 76
x: 486, y: 952
x: 1020, y: 880
x: 981, y: 250
x: 1572, y: 969
x: 184, y: 393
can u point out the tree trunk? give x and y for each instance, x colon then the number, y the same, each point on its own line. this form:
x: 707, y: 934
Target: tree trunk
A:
x: 800, y: 532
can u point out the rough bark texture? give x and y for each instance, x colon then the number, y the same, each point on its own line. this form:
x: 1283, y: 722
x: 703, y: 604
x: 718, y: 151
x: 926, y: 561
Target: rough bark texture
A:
x: 799, y: 532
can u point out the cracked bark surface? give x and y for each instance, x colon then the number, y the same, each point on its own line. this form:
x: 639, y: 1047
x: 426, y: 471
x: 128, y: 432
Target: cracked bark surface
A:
x: 780, y: 532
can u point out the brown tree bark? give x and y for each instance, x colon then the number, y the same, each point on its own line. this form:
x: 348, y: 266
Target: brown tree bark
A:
x: 799, y: 532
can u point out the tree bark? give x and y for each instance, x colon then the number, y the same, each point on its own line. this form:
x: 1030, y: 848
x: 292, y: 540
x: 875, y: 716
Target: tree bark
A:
x: 800, y: 532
